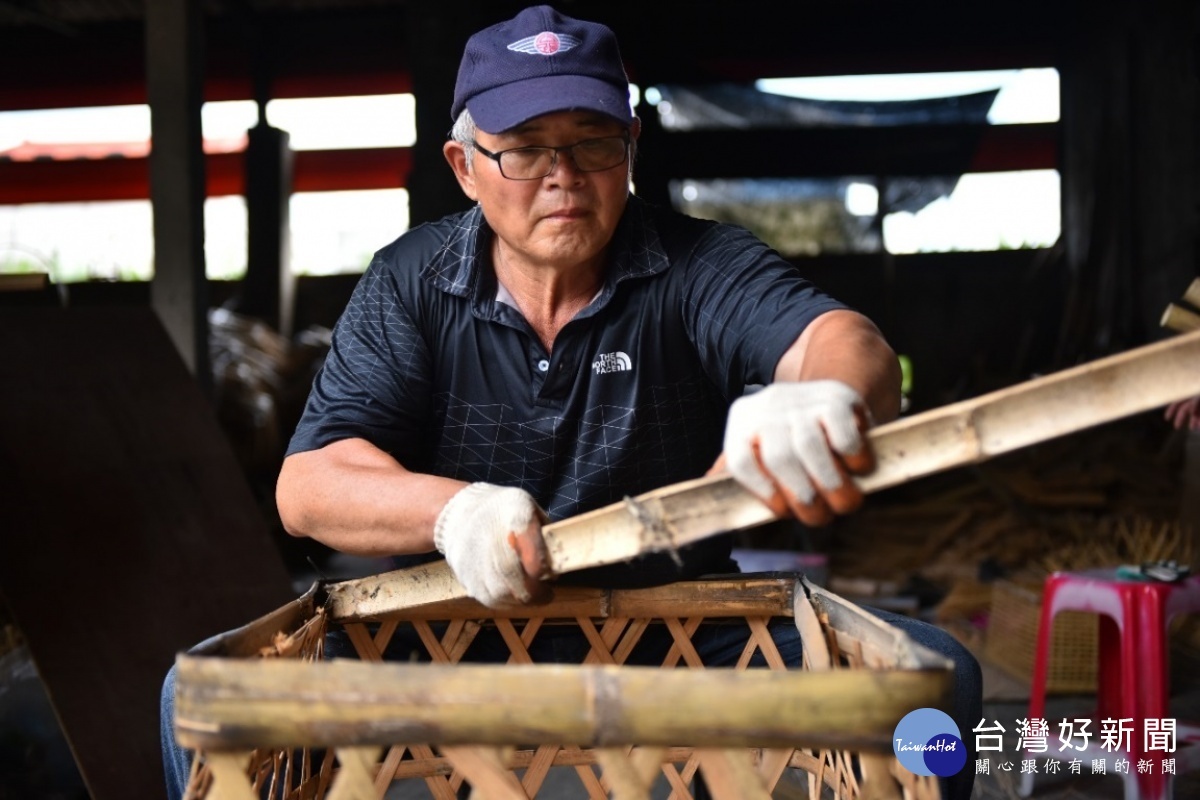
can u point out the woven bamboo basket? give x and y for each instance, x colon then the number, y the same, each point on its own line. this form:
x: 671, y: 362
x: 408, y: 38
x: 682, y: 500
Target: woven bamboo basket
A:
x: 270, y: 717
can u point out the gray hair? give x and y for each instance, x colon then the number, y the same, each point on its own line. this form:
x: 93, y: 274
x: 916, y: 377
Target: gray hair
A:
x: 463, y: 132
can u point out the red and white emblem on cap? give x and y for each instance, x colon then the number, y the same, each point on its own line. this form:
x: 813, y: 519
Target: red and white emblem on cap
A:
x: 546, y: 43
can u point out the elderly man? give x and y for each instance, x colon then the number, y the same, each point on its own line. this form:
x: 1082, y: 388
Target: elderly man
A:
x: 563, y: 344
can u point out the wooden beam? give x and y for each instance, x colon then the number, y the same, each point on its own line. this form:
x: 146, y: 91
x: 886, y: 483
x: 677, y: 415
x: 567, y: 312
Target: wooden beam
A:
x: 179, y: 293
x: 128, y: 178
x: 268, y: 290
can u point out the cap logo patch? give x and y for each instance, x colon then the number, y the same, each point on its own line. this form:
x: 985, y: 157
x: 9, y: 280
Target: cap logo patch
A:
x: 545, y: 43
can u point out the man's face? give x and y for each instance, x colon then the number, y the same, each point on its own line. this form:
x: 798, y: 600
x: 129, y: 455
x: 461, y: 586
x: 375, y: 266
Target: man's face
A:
x: 562, y: 220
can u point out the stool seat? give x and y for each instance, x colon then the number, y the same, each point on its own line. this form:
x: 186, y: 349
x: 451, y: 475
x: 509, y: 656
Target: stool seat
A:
x: 1133, y: 669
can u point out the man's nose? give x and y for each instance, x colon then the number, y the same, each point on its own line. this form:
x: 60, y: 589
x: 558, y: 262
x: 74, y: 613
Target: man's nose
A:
x: 564, y: 161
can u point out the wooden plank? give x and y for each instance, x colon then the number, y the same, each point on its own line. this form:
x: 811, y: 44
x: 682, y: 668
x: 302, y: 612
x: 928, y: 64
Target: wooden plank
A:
x: 952, y: 436
x: 129, y: 532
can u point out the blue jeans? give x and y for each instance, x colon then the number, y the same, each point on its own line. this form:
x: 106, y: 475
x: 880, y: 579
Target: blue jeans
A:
x: 719, y: 645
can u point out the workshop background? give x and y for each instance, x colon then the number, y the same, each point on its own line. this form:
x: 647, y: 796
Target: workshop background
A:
x: 146, y: 399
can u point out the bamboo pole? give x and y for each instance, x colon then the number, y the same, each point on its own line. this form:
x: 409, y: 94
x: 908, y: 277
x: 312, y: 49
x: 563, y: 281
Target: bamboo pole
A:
x: 1192, y: 295
x: 1180, y: 319
x: 955, y: 435
x: 236, y: 704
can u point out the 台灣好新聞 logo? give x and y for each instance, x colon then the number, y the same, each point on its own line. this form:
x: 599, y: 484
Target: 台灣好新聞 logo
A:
x: 928, y: 742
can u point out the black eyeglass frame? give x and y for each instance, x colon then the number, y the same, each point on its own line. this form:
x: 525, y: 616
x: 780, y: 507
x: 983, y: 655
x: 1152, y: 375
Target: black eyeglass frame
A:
x: 495, y: 155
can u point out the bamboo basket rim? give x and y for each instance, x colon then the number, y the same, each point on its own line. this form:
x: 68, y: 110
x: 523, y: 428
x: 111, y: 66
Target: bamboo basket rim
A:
x: 769, y: 593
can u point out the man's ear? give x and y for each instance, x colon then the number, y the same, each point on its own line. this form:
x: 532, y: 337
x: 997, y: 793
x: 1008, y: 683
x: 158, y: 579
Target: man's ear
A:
x: 635, y: 129
x: 456, y: 157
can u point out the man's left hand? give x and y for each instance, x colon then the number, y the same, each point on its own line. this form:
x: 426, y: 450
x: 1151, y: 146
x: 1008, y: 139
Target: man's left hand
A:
x: 794, y: 445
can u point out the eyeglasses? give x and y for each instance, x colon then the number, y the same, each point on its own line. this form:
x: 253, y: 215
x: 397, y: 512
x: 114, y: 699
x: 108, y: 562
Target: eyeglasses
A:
x: 532, y: 163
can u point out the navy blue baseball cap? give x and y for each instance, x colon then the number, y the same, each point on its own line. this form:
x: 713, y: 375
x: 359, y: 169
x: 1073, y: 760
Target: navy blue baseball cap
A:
x: 538, y: 62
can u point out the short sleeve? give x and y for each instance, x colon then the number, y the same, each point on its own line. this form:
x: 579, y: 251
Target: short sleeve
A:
x: 375, y: 383
x: 744, y: 306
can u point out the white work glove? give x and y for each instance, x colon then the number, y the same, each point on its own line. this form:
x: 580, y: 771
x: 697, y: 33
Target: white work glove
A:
x: 792, y: 445
x: 483, y: 531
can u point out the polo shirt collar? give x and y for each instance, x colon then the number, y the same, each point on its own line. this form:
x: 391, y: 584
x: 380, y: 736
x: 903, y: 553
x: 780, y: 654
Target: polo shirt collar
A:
x: 458, y: 267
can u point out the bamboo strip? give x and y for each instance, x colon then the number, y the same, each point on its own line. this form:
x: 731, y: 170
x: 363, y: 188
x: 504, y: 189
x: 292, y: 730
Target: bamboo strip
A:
x: 956, y: 435
x: 876, y: 780
x: 677, y: 781
x: 354, y: 781
x: 485, y: 769
x: 631, y: 633
x: 529, y: 759
x: 647, y: 762
x: 518, y: 654
x: 677, y: 650
x: 387, y: 770
x: 229, y: 775
x: 623, y: 780
x: 442, y: 788
x: 223, y: 705
x: 539, y: 766
x: 771, y: 765
x: 729, y: 774
x: 587, y: 776
x: 683, y: 640
x: 610, y: 634
x: 812, y: 635
x: 458, y: 639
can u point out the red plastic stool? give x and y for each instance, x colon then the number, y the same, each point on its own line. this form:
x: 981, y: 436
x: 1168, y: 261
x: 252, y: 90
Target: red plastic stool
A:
x: 1133, y: 668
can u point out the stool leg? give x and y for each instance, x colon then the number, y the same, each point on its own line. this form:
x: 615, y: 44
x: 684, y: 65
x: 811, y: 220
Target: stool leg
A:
x: 1128, y: 704
x: 1153, y: 700
x: 1041, y: 663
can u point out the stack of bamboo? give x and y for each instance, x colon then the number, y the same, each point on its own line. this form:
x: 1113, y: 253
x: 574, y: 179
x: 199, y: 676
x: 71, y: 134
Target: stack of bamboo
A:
x: 1102, y: 497
x: 971, y: 548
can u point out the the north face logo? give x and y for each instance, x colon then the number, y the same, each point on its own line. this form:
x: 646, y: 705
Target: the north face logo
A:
x: 612, y: 362
x: 545, y: 43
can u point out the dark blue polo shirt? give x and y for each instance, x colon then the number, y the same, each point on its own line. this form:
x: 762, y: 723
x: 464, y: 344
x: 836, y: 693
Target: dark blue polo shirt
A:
x: 429, y: 366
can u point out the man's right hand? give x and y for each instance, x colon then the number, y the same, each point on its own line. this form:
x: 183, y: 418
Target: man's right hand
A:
x: 795, y: 445
x: 492, y: 539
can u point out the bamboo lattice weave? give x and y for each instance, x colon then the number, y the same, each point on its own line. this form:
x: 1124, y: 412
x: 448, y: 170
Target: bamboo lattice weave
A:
x: 352, y: 728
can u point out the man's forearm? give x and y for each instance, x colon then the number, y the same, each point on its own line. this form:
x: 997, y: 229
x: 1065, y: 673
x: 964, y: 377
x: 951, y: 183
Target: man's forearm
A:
x: 847, y: 347
x: 357, y: 499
